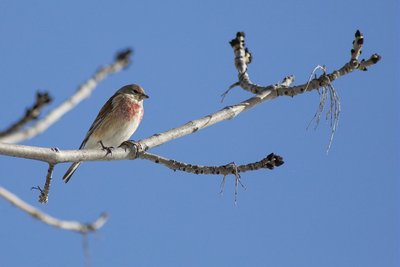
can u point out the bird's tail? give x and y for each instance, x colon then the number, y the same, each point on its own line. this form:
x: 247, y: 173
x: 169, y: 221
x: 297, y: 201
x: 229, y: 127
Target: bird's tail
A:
x: 71, y: 171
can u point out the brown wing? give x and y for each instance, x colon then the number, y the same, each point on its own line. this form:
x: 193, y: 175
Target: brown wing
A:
x: 99, y: 119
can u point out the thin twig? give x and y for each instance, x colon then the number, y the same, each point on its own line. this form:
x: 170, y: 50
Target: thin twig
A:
x: 32, y: 113
x: 269, y: 162
x: 52, y: 221
x: 44, y: 194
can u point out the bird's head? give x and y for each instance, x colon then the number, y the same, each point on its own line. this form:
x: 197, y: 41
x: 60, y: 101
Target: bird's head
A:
x: 134, y: 90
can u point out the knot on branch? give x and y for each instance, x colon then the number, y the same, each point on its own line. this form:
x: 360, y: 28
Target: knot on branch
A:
x: 354, y: 64
x: 324, y: 80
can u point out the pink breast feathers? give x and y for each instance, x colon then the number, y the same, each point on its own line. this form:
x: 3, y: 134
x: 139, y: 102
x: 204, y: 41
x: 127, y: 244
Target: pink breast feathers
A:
x: 137, y: 111
x: 133, y: 110
x: 130, y: 109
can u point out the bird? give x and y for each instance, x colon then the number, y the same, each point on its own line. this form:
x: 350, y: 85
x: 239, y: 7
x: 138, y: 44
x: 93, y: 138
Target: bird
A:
x: 117, y: 120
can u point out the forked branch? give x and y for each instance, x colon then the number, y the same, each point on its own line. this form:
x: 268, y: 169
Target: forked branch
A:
x: 262, y: 93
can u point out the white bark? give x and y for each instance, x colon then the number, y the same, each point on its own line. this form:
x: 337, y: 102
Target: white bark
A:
x: 242, y: 59
x: 45, y: 218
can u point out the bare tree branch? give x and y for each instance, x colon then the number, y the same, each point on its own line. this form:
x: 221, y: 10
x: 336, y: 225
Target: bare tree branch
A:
x: 122, y: 60
x: 47, y: 219
x: 42, y: 99
x: 263, y: 93
x: 269, y: 162
x: 243, y: 59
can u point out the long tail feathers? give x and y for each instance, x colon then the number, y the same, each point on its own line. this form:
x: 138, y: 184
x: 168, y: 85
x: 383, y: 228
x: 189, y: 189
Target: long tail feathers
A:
x: 71, y: 171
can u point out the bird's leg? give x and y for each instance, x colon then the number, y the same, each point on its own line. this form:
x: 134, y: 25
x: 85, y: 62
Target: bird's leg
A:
x: 107, y: 148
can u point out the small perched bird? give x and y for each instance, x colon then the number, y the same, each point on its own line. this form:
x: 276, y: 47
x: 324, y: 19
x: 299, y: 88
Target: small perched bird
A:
x: 117, y: 120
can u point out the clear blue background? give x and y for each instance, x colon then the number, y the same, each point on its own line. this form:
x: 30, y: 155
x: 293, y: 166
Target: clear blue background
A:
x: 339, y: 209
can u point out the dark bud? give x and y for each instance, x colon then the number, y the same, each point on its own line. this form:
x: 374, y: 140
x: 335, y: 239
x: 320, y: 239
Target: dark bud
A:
x: 375, y: 58
x: 43, y: 98
x: 360, y: 41
x: 234, y: 42
x: 352, y: 51
x: 240, y: 34
x: 358, y: 34
x: 279, y: 161
x: 269, y: 166
x: 124, y: 55
x: 29, y: 113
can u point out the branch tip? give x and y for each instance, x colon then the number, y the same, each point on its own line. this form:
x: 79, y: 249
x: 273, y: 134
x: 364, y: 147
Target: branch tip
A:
x: 124, y: 55
x: 42, y: 99
x: 240, y: 34
x: 75, y: 226
x: 375, y: 58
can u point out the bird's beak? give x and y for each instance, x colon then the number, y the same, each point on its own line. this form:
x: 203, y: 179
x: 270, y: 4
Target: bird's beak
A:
x: 145, y: 96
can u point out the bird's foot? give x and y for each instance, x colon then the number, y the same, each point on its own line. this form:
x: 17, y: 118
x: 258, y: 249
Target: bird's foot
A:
x: 106, y: 148
x: 55, y: 149
x: 130, y: 144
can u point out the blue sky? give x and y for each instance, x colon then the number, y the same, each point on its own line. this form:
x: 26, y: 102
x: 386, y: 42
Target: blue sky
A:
x: 339, y: 209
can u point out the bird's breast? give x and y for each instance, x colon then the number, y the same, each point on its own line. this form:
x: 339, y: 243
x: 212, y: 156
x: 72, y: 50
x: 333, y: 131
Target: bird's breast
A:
x: 130, y: 110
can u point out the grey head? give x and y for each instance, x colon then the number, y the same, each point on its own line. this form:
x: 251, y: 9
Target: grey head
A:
x: 133, y: 89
